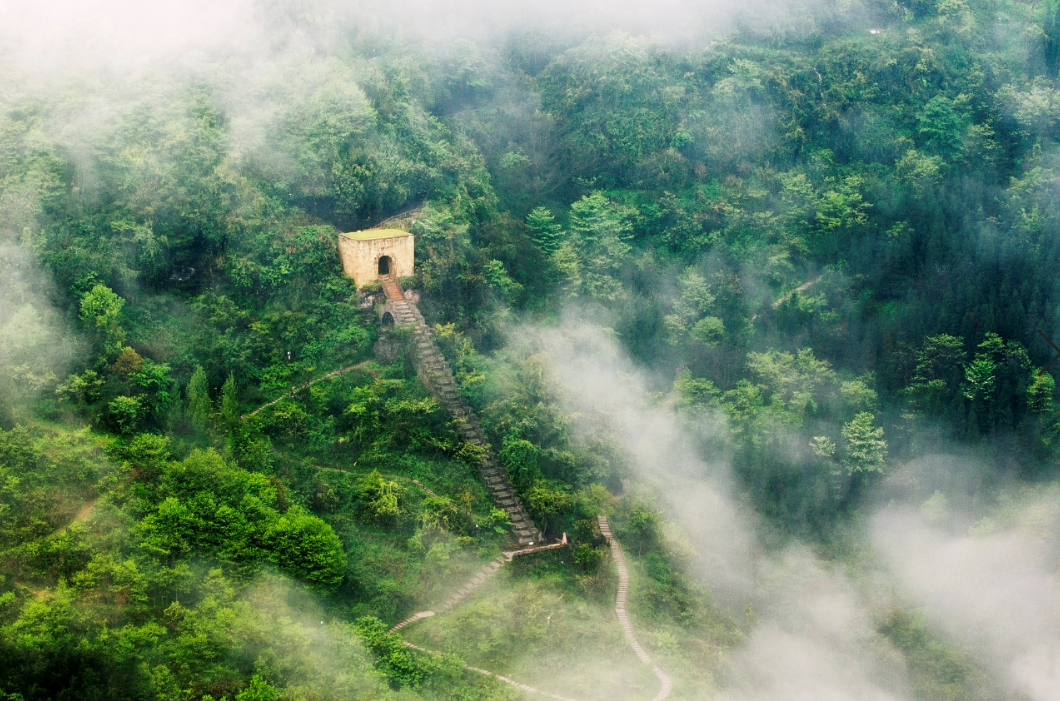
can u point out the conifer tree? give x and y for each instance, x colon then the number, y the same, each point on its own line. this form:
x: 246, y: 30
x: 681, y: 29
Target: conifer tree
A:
x: 866, y: 450
x: 546, y: 233
x: 198, y: 399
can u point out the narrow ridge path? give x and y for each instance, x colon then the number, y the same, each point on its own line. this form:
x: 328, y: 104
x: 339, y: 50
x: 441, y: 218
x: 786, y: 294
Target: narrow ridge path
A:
x: 620, y: 608
x: 784, y: 298
x: 304, y: 385
x: 437, y: 376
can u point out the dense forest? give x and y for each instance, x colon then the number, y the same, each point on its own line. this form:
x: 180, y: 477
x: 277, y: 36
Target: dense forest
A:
x: 827, y: 244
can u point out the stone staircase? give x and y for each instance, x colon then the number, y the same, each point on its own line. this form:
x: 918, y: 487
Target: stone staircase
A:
x: 477, y: 581
x: 437, y: 376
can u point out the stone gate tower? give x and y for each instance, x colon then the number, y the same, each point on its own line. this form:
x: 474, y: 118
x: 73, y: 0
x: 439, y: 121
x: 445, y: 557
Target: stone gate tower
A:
x: 374, y: 253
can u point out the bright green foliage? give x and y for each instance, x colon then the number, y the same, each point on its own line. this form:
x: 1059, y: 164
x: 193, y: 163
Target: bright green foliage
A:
x: 688, y: 309
x: 305, y: 547
x: 937, y: 374
x: 710, y: 330
x: 545, y: 502
x: 202, y: 504
x: 393, y: 659
x: 198, y: 400
x: 904, y: 183
x: 694, y: 392
x: 864, y: 449
x: 521, y: 459
x: 378, y: 497
x: 125, y: 414
x: 385, y: 415
x: 258, y: 690
x: 229, y: 402
x: 1040, y: 394
x: 599, y: 240
x: 101, y: 311
x: 940, y: 126
x: 794, y: 381
x: 545, y: 232
x: 841, y: 207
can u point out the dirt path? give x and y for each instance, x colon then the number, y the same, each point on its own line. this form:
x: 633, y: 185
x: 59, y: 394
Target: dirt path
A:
x: 784, y: 298
x: 304, y: 385
x: 83, y: 513
x: 620, y: 611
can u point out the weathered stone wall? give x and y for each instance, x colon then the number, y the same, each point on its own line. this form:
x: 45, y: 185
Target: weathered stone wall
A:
x: 360, y: 254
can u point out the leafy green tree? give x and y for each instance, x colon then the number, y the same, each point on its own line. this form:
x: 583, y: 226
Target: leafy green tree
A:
x: 693, y: 300
x: 710, y: 331
x: 940, y: 126
x: 124, y: 414
x: 546, y: 502
x: 392, y: 657
x: 101, y: 311
x: 521, y: 459
x: 258, y: 690
x: 996, y: 383
x: 441, y: 513
x: 693, y: 392
x: 796, y: 383
x: 1040, y: 394
x: 155, y: 380
x: 83, y: 389
x: 841, y: 207
x: 307, y: 548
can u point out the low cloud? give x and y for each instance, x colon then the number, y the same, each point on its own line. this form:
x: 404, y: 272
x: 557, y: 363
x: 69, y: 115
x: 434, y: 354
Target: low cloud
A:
x: 994, y: 588
x: 813, y: 637
x: 36, y: 344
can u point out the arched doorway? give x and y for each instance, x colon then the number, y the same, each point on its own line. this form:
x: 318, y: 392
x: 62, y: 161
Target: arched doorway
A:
x: 388, y: 319
x: 384, y: 265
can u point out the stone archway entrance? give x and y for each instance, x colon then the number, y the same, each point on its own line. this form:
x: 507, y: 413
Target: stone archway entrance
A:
x: 388, y: 319
x: 384, y: 265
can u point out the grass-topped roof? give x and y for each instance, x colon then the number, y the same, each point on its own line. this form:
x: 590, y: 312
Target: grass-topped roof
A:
x: 376, y: 234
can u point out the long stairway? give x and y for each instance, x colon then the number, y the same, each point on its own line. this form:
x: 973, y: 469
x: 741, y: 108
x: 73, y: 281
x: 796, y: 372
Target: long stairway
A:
x: 437, y: 376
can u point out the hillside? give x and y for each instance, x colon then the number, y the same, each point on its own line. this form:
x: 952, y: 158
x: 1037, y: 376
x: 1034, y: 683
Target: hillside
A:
x: 764, y: 299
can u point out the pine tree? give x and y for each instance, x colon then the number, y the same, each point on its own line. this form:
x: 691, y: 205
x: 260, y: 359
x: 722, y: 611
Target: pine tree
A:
x: 546, y: 233
x: 198, y: 397
x: 866, y: 451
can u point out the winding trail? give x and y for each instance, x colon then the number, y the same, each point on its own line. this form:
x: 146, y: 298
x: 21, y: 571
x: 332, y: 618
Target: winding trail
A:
x: 620, y: 609
x: 620, y: 612
x: 295, y: 390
